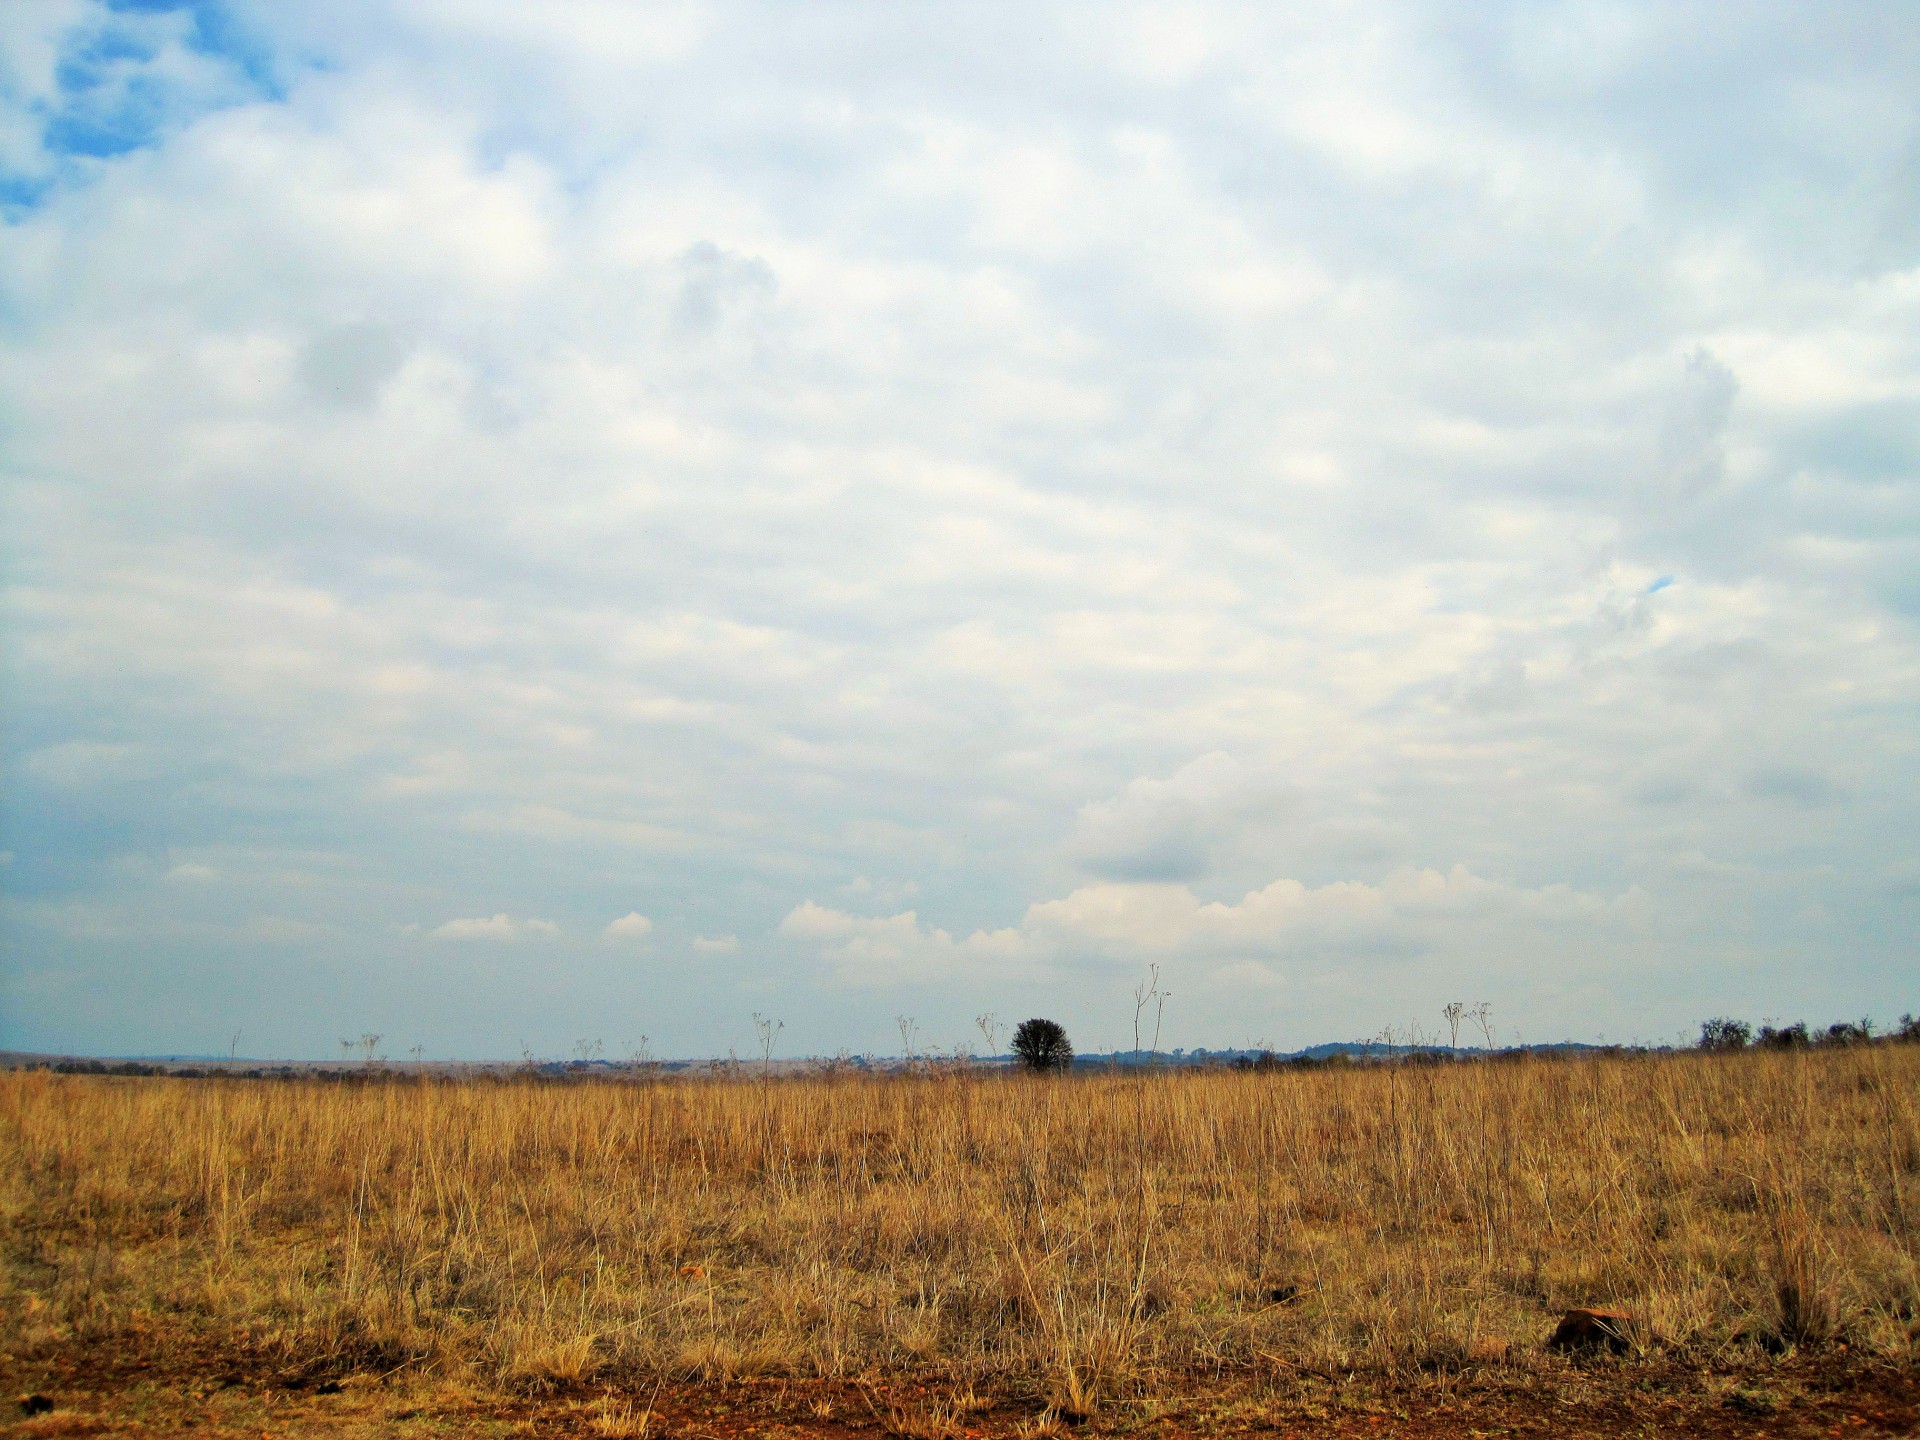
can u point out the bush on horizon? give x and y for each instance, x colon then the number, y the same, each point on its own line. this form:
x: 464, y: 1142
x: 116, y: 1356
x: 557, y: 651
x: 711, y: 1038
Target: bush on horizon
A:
x: 1042, y: 1045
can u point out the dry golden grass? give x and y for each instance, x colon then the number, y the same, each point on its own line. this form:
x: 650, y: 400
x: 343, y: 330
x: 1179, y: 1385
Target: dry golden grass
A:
x: 1075, y: 1237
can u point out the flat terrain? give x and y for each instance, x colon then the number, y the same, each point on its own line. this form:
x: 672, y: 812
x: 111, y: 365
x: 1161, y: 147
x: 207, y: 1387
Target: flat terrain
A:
x: 1362, y: 1250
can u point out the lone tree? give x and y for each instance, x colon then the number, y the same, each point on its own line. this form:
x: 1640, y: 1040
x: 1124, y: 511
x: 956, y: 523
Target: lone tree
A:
x: 1042, y: 1045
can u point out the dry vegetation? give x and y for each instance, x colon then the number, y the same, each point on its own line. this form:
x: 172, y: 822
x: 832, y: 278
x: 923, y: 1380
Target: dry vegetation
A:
x: 1074, y: 1240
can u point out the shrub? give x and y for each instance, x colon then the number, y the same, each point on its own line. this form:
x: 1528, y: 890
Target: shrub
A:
x: 1724, y: 1034
x: 1848, y: 1033
x: 1787, y: 1037
x: 1908, y: 1030
x: 1042, y: 1045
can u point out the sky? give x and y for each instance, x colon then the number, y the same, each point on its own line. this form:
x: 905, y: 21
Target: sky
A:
x: 535, y: 526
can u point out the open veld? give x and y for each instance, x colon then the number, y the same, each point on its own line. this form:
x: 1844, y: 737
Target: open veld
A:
x: 1368, y: 1249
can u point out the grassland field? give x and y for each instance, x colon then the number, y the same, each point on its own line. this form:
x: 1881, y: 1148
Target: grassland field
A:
x: 1374, y: 1249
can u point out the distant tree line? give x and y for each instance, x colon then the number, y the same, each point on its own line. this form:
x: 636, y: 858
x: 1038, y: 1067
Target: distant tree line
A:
x: 1723, y: 1034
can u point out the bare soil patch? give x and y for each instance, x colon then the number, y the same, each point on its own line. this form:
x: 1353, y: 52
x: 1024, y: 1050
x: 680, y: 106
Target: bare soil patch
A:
x: 167, y: 1389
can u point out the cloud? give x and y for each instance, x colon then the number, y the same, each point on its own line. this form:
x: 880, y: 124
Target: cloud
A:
x: 1408, y: 905
x: 879, y: 894
x: 87, y: 83
x: 715, y: 285
x: 630, y: 926
x: 1128, y: 924
x: 1172, y: 829
x: 495, y: 927
x: 898, y: 949
x: 1691, y: 452
x: 1805, y: 789
x: 682, y: 460
x: 716, y: 944
x: 350, y: 365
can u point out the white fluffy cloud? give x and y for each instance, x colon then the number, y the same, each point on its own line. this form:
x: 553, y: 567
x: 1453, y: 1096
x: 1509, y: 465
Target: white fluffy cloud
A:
x: 1410, y: 913
x: 630, y: 926
x: 898, y: 949
x: 702, y: 457
x: 493, y: 927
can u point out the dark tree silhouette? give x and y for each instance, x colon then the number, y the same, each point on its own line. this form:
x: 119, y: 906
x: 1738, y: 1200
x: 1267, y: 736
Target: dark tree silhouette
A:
x: 1042, y: 1045
x: 1725, y: 1035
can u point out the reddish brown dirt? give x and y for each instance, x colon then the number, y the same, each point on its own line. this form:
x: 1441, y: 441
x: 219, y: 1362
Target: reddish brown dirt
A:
x: 142, y: 1387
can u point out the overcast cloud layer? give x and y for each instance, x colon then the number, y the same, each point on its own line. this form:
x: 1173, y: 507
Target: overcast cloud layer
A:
x: 531, y: 523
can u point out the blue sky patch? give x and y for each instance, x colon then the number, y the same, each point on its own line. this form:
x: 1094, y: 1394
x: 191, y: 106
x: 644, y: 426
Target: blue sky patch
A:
x: 127, y: 76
